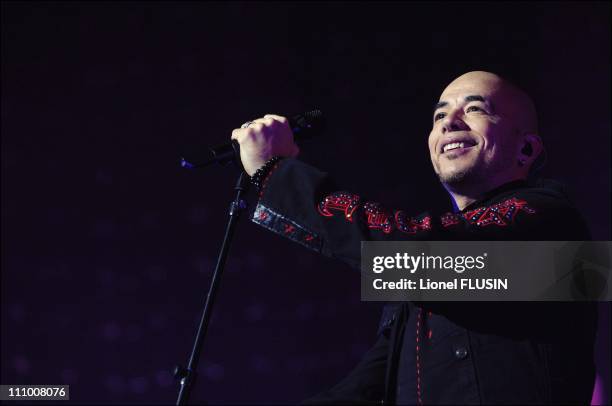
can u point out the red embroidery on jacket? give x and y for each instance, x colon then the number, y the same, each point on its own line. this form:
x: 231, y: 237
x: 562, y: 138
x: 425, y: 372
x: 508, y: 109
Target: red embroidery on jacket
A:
x: 449, y: 219
x: 265, y: 181
x: 418, y: 356
x: 342, y: 201
x: 501, y: 214
x: 378, y: 218
x: 411, y: 225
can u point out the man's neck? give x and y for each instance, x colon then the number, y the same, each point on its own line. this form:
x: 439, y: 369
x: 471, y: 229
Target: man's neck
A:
x: 463, y: 194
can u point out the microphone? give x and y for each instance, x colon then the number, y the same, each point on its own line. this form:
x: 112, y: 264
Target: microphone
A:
x: 304, y: 126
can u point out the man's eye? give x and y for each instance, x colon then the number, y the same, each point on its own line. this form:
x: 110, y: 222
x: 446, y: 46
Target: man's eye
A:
x: 474, y: 107
x: 439, y: 116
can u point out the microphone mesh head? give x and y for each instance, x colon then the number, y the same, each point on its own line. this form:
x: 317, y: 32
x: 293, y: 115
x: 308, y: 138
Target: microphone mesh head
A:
x: 308, y: 124
x: 314, y: 115
x: 315, y: 120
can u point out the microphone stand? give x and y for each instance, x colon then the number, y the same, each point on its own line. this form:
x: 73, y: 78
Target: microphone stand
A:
x: 187, y: 376
x: 305, y: 125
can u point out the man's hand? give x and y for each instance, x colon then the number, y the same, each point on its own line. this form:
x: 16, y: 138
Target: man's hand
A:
x: 262, y: 139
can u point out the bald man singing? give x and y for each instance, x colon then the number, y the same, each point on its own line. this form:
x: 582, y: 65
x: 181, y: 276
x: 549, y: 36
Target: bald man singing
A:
x: 483, y: 145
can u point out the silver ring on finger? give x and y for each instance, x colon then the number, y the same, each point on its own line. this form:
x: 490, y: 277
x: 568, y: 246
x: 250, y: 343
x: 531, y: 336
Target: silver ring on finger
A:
x: 245, y: 125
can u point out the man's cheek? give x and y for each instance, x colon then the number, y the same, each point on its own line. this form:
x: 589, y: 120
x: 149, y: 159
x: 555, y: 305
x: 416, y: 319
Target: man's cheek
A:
x: 435, y: 163
x: 431, y: 140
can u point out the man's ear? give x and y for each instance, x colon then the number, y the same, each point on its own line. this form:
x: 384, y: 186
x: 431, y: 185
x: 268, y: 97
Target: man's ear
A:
x: 531, y: 149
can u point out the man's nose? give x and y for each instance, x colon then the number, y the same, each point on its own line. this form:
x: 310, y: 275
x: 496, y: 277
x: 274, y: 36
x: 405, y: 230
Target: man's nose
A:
x: 453, y: 123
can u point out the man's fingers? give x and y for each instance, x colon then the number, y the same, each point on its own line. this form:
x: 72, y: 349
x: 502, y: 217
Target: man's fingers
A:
x: 277, y: 118
x: 268, y: 119
x: 264, y: 120
x: 238, y: 134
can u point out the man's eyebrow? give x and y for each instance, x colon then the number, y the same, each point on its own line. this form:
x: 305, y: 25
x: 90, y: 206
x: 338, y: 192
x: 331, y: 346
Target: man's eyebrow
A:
x: 473, y: 97
x: 439, y: 105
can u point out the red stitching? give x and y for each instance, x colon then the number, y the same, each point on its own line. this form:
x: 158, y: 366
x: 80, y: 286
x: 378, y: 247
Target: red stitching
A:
x: 449, y: 219
x: 418, y: 358
x: 378, y: 218
x: 265, y: 181
x: 501, y: 214
x: 346, y: 202
x: 410, y: 225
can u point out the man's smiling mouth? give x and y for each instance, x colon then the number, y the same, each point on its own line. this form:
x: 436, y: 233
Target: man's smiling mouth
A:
x: 457, y: 146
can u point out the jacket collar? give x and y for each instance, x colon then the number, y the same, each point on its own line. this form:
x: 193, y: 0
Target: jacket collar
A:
x: 515, y: 184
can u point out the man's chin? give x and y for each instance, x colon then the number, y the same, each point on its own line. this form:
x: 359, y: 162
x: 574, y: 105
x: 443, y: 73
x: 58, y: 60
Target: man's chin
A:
x: 458, y: 176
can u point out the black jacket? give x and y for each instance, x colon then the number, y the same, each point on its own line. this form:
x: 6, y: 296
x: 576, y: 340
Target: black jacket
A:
x: 440, y: 352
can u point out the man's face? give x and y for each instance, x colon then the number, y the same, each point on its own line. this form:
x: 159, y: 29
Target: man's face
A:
x: 473, y: 137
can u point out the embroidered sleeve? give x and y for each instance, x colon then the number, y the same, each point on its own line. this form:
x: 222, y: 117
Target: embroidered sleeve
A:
x: 301, y: 203
x: 375, y: 216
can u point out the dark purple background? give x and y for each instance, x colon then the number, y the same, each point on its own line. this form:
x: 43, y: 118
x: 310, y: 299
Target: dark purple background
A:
x: 107, y: 245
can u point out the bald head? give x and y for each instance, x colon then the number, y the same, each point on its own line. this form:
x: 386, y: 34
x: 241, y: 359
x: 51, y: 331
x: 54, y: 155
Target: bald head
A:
x: 515, y: 103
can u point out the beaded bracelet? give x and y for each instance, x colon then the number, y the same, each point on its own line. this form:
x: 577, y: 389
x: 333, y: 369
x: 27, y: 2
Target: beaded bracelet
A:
x: 262, y: 173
